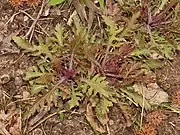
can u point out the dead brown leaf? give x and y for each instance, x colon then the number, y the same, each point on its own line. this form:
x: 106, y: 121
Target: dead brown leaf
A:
x: 80, y: 8
x: 111, y: 8
x: 152, y: 92
x: 15, y: 126
x: 10, y: 123
x: 90, y: 116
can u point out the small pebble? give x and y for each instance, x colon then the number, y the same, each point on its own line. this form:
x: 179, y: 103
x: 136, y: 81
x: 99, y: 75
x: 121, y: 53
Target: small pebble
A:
x: 4, y: 79
x: 26, y: 18
x: 26, y: 94
x: 111, y: 122
x: 18, y: 81
x: 1, y: 37
x: 18, y: 96
x: 19, y: 72
x: 37, y: 131
x: 1, y: 25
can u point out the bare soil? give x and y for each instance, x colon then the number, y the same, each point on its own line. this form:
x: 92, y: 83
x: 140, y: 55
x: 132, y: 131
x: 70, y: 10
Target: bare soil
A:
x: 13, y: 62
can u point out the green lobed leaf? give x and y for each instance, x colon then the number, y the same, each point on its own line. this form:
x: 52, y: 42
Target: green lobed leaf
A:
x: 75, y: 98
x: 112, y: 30
x: 37, y: 88
x: 43, y: 49
x: 164, y: 46
x: 97, y: 85
x: 102, y: 108
x: 24, y: 44
x: 55, y: 2
x: 32, y: 74
x: 138, y: 99
x: 101, y: 2
x: 59, y: 31
x: 153, y: 63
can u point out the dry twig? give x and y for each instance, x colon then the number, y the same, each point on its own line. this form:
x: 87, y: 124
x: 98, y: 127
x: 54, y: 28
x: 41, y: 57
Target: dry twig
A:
x: 35, y: 21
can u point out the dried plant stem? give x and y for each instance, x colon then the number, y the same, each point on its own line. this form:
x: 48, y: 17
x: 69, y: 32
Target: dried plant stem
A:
x: 49, y: 116
x: 106, y: 54
x: 28, y: 113
x: 71, y: 60
x: 142, y: 110
x: 35, y: 21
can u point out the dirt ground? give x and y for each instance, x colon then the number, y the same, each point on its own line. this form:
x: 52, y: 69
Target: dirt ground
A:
x: 13, y: 62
